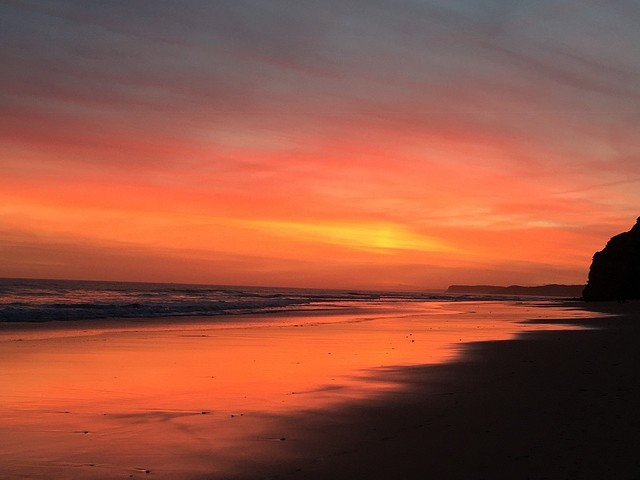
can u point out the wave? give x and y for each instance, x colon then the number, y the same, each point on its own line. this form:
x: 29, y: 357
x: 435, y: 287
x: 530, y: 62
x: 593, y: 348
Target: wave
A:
x: 26, y: 300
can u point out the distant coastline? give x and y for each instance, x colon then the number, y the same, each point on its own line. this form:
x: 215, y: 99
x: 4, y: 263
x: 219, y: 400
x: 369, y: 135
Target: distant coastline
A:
x: 552, y: 290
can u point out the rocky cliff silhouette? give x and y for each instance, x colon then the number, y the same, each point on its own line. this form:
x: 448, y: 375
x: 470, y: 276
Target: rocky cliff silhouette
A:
x: 615, y: 270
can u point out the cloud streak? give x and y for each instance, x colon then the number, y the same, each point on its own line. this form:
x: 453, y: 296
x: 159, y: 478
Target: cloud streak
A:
x: 461, y: 129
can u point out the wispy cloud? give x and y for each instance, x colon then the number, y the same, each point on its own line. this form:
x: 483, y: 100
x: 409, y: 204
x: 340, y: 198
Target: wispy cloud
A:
x: 441, y: 128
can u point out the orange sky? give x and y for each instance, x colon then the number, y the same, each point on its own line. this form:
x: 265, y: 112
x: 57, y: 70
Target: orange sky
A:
x: 327, y: 144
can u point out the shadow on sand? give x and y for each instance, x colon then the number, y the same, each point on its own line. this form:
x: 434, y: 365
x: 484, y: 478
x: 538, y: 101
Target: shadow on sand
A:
x: 550, y: 404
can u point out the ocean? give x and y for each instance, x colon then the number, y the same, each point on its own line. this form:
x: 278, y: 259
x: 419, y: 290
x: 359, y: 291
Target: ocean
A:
x: 35, y: 300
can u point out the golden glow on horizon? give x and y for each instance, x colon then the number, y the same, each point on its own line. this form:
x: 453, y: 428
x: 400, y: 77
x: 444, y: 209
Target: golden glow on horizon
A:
x: 340, y: 252
x: 156, y: 228
x: 375, y: 237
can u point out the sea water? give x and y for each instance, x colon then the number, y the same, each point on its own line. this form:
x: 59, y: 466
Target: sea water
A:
x: 34, y: 300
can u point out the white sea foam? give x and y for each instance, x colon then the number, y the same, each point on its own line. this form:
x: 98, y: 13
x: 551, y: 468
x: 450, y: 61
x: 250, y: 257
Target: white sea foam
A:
x: 31, y: 300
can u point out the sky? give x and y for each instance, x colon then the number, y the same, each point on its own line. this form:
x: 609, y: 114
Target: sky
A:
x: 374, y: 144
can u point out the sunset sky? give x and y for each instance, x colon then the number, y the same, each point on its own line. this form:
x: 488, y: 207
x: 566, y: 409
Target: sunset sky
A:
x: 402, y: 144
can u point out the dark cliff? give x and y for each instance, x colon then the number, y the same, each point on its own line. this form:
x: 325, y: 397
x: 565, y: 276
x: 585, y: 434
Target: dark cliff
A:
x: 615, y: 270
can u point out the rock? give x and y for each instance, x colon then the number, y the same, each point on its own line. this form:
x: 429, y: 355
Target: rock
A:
x: 615, y: 270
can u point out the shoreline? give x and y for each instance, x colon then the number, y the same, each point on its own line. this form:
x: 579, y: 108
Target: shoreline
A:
x: 546, y: 404
x: 326, y: 314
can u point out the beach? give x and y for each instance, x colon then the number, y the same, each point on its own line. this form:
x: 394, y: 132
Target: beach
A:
x: 376, y: 390
x: 545, y: 405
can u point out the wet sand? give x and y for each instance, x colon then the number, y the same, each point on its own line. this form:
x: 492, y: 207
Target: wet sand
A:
x: 546, y: 405
x: 361, y: 393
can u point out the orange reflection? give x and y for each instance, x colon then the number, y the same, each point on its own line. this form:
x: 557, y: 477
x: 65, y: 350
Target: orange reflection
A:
x: 94, y: 401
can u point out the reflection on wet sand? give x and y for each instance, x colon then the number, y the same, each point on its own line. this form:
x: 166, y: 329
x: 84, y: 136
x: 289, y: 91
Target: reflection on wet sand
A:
x: 126, y: 399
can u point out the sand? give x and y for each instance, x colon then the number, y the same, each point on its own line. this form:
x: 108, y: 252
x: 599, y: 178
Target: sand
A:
x: 554, y: 405
x: 355, y: 395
